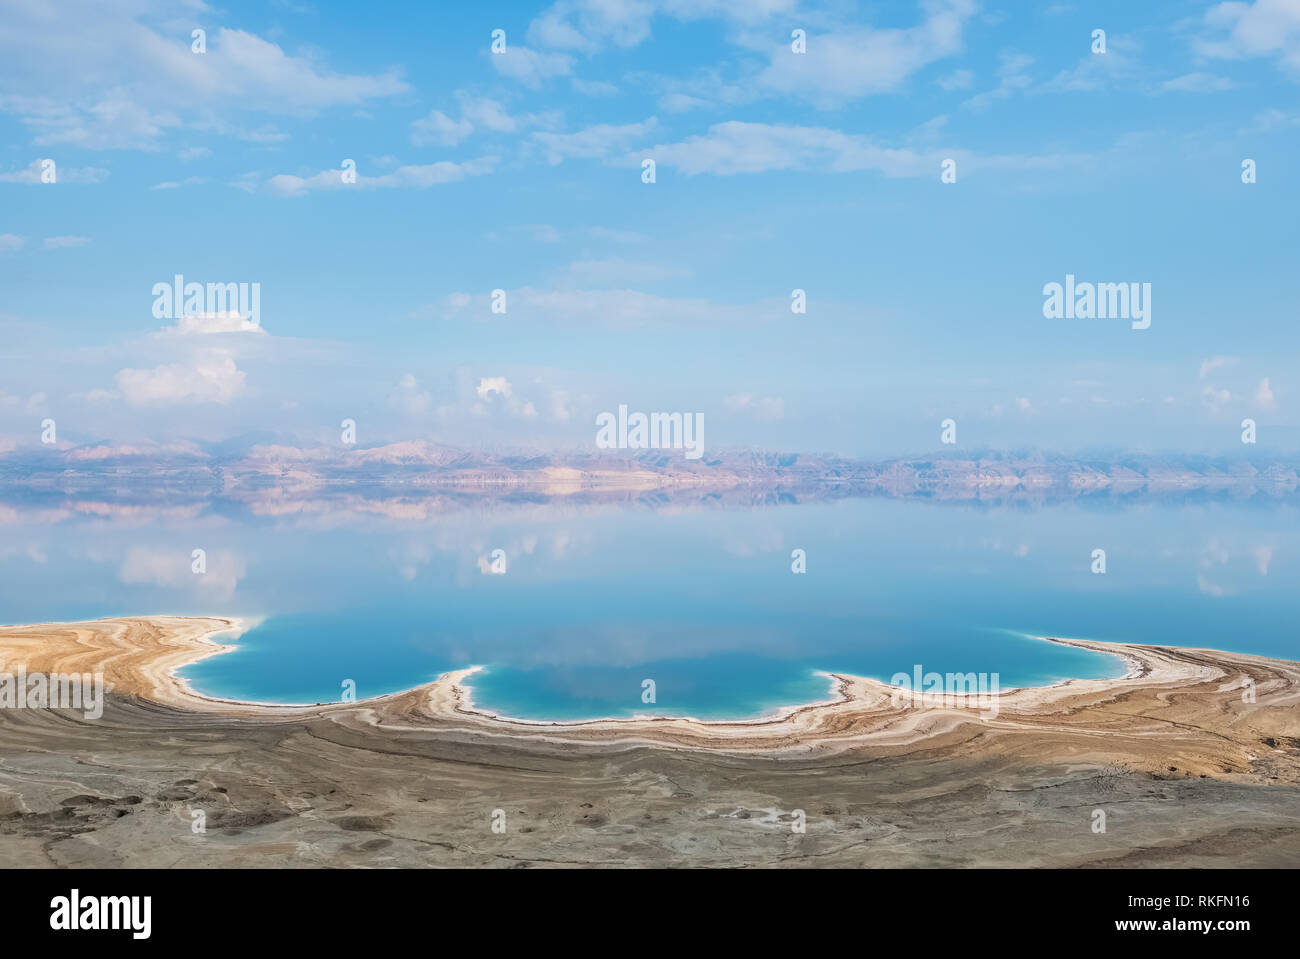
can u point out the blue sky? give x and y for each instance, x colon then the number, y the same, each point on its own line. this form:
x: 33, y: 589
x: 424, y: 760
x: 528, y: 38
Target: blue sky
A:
x: 775, y: 171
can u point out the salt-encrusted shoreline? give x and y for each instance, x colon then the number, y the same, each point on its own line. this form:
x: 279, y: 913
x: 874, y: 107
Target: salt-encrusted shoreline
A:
x: 141, y: 656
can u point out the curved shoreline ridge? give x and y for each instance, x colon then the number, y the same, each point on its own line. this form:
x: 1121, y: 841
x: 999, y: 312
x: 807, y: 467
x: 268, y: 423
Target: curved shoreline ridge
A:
x: 1173, y: 707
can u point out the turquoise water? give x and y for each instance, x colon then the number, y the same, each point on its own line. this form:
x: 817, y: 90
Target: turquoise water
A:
x: 702, y: 601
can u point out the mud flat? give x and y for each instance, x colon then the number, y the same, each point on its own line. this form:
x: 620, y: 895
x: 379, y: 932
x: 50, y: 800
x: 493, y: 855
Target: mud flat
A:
x: 1187, y: 770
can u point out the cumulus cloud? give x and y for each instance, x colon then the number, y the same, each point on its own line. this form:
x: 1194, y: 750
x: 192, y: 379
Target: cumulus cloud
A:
x: 496, y: 394
x: 1264, y: 394
x: 218, y: 322
x: 210, y: 377
x: 493, y: 384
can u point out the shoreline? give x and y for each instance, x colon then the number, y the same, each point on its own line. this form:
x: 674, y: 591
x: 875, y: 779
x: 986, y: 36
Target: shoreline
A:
x: 840, y: 684
x: 140, y: 657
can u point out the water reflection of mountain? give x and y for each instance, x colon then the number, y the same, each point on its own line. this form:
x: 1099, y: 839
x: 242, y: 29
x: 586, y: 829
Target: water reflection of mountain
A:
x: 422, y: 479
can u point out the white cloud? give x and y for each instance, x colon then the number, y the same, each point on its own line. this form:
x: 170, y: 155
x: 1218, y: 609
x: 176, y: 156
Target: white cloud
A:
x: 219, y: 322
x: 1197, y: 83
x: 113, y: 123
x: 851, y: 62
x: 210, y: 377
x: 438, y: 128
x: 1120, y: 64
x: 133, y: 83
x: 9, y: 242
x: 173, y: 185
x: 680, y: 103
x: 586, y: 26
x: 1264, y: 394
x: 63, y: 242
x: 32, y: 174
x: 1215, y: 362
x: 406, y: 177
x: 531, y: 67
x: 1265, y: 28
x: 595, y: 142
x: 493, y: 384
x: 1012, y: 76
x: 476, y: 113
x: 738, y: 147
x: 487, y: 114
x: 1267, y: 121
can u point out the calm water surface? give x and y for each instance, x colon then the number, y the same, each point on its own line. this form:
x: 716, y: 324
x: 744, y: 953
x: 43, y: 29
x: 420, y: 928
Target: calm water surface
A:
x: 701, y: 600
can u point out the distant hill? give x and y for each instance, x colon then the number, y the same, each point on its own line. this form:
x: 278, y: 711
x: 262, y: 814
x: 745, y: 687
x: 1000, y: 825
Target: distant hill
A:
x: 252, y: 477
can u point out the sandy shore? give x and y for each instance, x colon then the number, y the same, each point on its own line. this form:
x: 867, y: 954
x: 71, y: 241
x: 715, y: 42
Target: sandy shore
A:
x: 1175, y: 723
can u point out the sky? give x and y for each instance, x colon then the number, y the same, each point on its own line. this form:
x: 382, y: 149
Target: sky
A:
x: 774, y: 171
